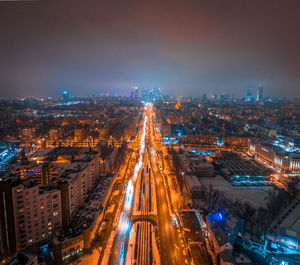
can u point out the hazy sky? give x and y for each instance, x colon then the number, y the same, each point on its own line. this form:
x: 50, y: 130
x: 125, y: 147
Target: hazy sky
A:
x: 184, y: 47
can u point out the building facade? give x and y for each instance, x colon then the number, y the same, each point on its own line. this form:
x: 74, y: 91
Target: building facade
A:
x: 76, y: 183
x: 31, y: 214
x: 287, y: 162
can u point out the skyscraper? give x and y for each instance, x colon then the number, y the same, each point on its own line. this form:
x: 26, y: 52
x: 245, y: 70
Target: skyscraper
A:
x: 132, y: 94
x: 156, y: 93
x: 145, y: 95
x: 65, y: 95
x: 136, y: 92
x: 260, y: 93
x: 249, y: 94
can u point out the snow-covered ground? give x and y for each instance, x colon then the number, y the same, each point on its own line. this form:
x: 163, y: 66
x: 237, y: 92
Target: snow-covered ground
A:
x: 256, y: 196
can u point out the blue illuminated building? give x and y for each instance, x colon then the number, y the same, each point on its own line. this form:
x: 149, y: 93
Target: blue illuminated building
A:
x: 6, y: 154
x: 65, y: 95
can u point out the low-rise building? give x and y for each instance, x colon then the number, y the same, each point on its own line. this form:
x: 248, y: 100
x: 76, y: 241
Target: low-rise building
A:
x: 285, y: 161
x: 194, y: 186
x: 197, y: 165
x: 221, y: 236
x: 199, y: 140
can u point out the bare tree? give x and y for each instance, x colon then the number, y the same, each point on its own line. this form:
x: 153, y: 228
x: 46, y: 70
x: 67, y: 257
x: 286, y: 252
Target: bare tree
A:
x: 105, y: 151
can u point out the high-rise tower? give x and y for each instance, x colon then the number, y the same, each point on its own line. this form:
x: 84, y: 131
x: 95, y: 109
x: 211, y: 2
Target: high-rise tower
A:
x: 260, y: 93
x: 65, y: 95
x: 145, y: 95
x: 249, y: 94
x: 136, y: 92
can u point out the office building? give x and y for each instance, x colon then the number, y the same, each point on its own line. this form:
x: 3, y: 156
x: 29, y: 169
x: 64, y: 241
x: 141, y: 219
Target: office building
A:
x: 134, y: 92
x: 65, y: 95
x: 287, y: 162
x: 131, y: 94
x: 260, y: 93
x: 145, y: 94
x: 249, y: 94
x: 156, y: 95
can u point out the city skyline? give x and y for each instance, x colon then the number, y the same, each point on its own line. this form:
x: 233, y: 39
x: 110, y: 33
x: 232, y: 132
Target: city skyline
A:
x: 185, y: 49
x: 149, y: 179
x: 149, y: 132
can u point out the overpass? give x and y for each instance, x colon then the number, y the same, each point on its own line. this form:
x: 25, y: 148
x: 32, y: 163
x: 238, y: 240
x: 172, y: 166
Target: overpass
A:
x: 153, y: 219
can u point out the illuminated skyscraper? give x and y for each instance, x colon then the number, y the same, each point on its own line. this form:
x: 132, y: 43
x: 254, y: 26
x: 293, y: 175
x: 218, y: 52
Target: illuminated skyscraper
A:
x: 249, y: 94
x: 132, y: 94
x: 136, y: 91
x: 260, y: 93
x: 145, y: 94
x: 156, y: 93
x: 65, y: 95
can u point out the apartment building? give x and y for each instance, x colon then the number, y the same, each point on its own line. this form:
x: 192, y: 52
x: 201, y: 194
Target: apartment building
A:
x: 76, y: 183
x: 30, y: 213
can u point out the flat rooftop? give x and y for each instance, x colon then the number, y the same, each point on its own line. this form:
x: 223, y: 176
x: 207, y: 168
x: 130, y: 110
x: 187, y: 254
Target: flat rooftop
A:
x: 256, y: 196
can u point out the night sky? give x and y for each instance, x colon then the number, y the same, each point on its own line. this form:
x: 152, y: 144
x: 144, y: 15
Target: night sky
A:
x: 184, y: 47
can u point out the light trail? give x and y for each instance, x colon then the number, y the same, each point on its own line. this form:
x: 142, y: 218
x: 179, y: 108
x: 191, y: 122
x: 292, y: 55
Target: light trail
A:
x: 124, y: 224
x: 139, y: 165
x: 129, y: 195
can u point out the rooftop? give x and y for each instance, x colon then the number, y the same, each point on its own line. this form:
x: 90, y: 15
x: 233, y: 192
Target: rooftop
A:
x: 256, y: 196
x: 22, y: 258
